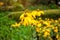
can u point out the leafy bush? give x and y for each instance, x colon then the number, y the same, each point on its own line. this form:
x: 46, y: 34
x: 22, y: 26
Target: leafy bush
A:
x: 9, y: 33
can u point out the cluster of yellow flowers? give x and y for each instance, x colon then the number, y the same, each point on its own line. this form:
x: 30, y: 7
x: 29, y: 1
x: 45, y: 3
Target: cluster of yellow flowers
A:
x: 44, y: 27
x: 29, y: 18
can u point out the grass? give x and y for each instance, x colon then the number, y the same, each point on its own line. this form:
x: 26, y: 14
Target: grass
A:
x: 9, y: 33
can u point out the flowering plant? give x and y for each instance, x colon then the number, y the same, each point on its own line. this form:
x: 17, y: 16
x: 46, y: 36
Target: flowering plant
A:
x: 47, y: 28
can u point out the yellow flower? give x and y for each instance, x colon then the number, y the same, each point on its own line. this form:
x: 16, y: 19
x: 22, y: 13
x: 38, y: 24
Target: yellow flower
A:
x: 46, y: 23
x: 42, y: 12
x: 25, y: 22
x: 15, y: 25
x: 44, y: 27
x: 34, y: 13
x: 39, y: 25
x: 33, y: 21
x: 37, y: 29
x: 52, y: 20
x: 30, y: 16
x: 56, y: 20
x: 22, y: 16
x: 38, y: 13
x: 56, y: 30
x: 28, y: 19
x: 44, y: 30
x: 57, y: 36
x: 46, y: 34
x: 48, y: 30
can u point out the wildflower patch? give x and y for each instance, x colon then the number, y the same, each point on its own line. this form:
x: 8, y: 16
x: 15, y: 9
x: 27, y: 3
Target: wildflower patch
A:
x: 47, y: 28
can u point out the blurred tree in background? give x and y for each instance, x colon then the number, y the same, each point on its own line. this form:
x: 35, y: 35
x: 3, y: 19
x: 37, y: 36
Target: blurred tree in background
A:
x: 22, y: 4
x: 9, y: 4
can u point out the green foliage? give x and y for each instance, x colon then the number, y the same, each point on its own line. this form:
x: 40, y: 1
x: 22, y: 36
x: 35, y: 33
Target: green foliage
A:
x: 44, y: 2
x: 51, y: 15
x: 19, y: 7
x: 2, y: 14
x: 5, y: 28
x: 42, y: 7
x: 53, y: 6
x: 24, y: 33
x: 9, y: 33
